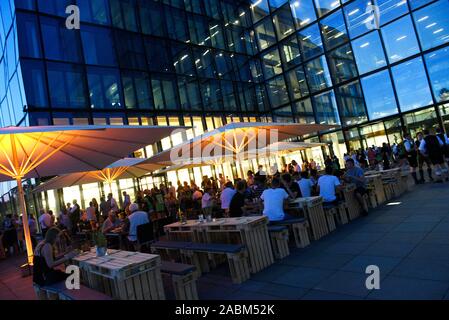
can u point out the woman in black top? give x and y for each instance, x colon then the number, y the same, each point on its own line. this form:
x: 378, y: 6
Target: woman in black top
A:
x: 236, y: 207
x: 44, y: 272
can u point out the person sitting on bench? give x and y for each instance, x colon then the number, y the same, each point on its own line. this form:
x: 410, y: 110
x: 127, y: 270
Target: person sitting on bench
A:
x: 44, y: 272
x: 357, y: 176
x: 327, y: 186
x: 274, y: 201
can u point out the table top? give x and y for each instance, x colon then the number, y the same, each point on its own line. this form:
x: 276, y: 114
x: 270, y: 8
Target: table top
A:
x: 115, y: 260
x: 217, y: 222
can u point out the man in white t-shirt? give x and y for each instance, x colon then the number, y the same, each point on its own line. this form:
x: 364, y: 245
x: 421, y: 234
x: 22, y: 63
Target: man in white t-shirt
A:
x: 136, y: 219
x: 327, y: 186
x: 273, y: 201
x: 45, y: 221
x: 226, y: 196
x: 305, y: 184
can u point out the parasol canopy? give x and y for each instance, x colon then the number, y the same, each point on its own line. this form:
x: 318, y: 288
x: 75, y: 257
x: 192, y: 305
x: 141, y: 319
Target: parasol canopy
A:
x: 127, y: 168
x: 235, y: 139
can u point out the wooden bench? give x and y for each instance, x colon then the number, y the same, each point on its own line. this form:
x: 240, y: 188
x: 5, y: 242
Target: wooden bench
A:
x: 170, y: 250
x: 58, y: 291
x: 279, y: 241
x: 183, y: 278
x: 332, y: 212
x: 236, y: 254
x: 299, y: 229
x: 199, y: 254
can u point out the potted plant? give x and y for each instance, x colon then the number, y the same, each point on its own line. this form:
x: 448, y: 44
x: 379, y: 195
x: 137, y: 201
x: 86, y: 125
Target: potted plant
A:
x: 101, y: 243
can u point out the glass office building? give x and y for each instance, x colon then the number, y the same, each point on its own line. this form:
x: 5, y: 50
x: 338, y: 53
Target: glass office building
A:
x: 374, y: 67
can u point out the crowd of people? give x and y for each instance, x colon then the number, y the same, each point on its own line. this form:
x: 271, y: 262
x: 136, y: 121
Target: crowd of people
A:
x: 221, y: 197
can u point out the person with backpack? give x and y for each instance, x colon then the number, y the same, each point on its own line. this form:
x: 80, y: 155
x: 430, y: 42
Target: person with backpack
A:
x: 432, y: 146
x: 411, y: 155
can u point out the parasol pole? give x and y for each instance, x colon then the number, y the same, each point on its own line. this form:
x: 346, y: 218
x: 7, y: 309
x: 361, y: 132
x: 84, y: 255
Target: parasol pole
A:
x: 26, y: 228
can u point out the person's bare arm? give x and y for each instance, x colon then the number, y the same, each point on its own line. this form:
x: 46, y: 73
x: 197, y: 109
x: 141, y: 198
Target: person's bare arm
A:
x: 47, y: 252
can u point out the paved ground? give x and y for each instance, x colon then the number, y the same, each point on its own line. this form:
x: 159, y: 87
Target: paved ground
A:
x: 409, y: 242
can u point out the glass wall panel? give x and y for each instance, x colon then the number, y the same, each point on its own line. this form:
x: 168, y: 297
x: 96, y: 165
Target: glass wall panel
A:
x: 29, y: 43
x: 94, y: 11
x: 411, y: 85
x: 34, y: 82
x: 342, y: 64
x: 400, y: 39
x: 296, y: 80
x: 379, y: 96
x: 432, y: 23
x: 310, y: 41
x: 333, y: 29
x: 438, y: 66
x: 271, y: 62
x: 97, y: 46
x: 303, y: 12
x: 265, y: 34
x: 303, y: 111
x: 318, y: 74
x: 164, y: 92
x: 277, y: 91
x: 325, y: 6
x: 104, y: 88
x: 283, y: 22
x: 290, y: 54
x: 67, y: 86
x: 326, y: 108
x: 351, y: 103
x: 368, y: 52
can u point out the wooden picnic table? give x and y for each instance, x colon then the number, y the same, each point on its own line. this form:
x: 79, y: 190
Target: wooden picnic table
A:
x: 122, y: 275
x: 252, y: 232
x: 375, y: 184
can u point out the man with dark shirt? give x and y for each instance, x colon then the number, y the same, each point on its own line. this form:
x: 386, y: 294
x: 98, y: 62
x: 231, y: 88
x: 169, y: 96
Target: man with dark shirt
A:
x: 290, y: 186
x: 236, y: 207
x: 357, y: 176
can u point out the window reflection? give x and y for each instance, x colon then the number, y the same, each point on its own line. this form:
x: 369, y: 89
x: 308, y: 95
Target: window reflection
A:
x: 342, y: 64
x: 283, y: 22
x: 400, y: 40
x: 310, y: 41
x: 379, y: 96
x: 326, y: 108
x: 272, y: 63
x: 368, y: 52
x: 325, y: 6
x: 318, y: 74
x: 438, y: 66
x: 352, y: 106
x: 277, y: 91
x: 432, y: 23
x: 297, y: 82
x: 333, y: 29
x: 303, y: 12
x: 265, y: 34
x: 411, y: 85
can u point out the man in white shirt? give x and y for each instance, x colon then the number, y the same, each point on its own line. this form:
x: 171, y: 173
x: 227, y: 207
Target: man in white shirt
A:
x: 226, y: 197
x: 327, y: 186
x: 112, y: 203
x: 136, y: 219
x: 45, y: 221
x: 305, y: 184
x: 274, y: 200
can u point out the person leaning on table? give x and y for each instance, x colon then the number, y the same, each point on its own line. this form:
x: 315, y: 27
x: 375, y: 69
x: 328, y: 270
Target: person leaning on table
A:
x: 44, y: 263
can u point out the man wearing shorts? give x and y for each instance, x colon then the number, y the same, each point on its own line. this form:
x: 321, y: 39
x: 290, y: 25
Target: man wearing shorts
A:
x: 423, y: 159
x: 411, y: 155
x: 444, y: 138
x: 433, y: 147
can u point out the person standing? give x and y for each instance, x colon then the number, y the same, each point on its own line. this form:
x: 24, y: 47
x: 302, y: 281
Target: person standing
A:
x: 104, y: 207
x: 411, y: 155
x: 75, y: 215
x: 126, y: 200
x: 445, y: 139
x: 112, y: 203
x: 433, y: 147
x: 423, y: 159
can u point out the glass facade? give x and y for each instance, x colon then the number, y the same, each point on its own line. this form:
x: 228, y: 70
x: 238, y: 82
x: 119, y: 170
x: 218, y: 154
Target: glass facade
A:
x: 207, y: 63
